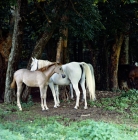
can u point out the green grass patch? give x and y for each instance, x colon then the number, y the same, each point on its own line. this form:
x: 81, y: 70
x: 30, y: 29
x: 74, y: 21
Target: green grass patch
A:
x: 54, y: 128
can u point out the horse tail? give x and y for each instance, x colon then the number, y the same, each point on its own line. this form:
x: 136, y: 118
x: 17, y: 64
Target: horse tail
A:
x: 13, y: 84
x: 93, y: 77
x: 90, y: 80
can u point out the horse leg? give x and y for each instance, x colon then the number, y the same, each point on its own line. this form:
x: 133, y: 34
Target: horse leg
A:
x: 75, y: 86
x: 51, y: 85
x: 57, y: 94
x: 71, y: 91
x: 19, y: 89
x: 82, y: 83
x: 42, y: 91
x: 45, y: 95
x: 42, y: 104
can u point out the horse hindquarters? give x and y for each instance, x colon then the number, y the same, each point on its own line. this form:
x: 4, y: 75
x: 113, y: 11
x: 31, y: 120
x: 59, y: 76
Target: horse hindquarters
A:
x: 90, y: 80
x: 74, y: 72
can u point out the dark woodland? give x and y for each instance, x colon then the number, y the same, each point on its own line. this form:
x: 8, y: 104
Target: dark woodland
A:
x: 102, y: 33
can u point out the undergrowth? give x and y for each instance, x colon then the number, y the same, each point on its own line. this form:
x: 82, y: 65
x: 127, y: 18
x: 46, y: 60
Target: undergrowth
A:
x: 53, y: 128
x: 126, y: 103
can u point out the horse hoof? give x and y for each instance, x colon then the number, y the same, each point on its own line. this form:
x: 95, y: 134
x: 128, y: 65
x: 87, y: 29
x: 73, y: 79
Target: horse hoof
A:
x: 75, y: 107
x: 20, y: 109
x: 55, y: 106
x: 85, y: 107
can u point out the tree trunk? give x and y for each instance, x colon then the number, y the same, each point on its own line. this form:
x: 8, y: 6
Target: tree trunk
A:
x: 124, y: 59
x: 40, y: 45
x: 59, y: 56
x: 16, y: 48
x: 62, y: 48
x: 124, y: 56
x: 5, y: 47
x: 114, y: 62
x: 65, y: 41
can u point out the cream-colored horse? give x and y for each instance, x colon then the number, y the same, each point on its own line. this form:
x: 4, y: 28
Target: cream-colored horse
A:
x: 37, y: 78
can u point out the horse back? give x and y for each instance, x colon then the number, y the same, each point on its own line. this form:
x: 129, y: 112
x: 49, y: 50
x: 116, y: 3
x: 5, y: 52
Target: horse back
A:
x: 30, y: 78
x: 73, y: 71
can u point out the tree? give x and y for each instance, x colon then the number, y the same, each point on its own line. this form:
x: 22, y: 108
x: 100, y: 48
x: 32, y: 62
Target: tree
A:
x: 17, y: 38
x: 62, y: 43
x: 116, y: 16
x: 6, y: 23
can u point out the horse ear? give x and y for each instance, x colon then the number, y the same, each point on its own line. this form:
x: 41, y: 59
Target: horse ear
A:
x: 32, y: 59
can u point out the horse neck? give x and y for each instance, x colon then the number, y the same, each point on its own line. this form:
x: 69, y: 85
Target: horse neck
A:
x: 50, y: 71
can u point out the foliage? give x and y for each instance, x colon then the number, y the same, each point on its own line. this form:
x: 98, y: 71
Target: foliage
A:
x: 85, y: 16
x: 49, y: 128
x: 118, y: 16
x: 126, y: 103
x: 80, y: 15
x: 7, y: 134
x: 4, y: 15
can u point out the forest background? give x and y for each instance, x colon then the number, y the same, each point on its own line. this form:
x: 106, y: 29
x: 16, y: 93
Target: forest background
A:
x: 100, y: 32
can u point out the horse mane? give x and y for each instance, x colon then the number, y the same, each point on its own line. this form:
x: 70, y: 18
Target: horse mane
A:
x: 43, y: 63
x: 46, y: 67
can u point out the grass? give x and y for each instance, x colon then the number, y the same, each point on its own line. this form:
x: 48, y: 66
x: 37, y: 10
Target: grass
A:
x: 54, y: 128
x: 126, y: 104
x: 27, y: 126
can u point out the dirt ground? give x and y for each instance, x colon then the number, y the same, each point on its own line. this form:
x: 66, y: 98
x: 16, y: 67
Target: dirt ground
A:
x: 67, y: 110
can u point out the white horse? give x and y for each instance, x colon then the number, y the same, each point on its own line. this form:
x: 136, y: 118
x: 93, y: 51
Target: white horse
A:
x: 37, y: 78
x: 75, y: 73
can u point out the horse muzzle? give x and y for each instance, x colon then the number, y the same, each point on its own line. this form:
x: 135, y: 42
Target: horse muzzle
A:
x: 63, y: 75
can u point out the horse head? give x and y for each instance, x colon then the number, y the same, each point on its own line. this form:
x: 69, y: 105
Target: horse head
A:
x: 34, y: 64
x: 59, y: 70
